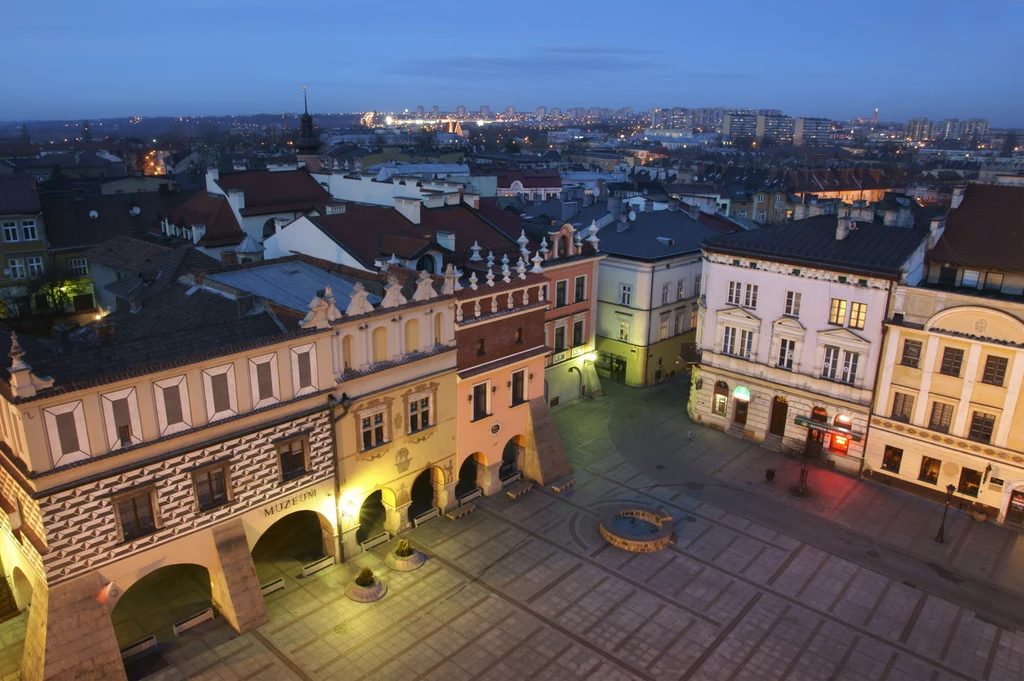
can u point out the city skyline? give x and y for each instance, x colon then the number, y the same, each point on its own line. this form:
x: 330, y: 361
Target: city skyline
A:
x: 571, y: 59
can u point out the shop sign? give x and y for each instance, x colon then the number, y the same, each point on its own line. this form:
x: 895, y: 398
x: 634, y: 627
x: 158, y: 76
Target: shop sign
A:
x: 741, y: 393
x: 284, y: 504
x: 825, y: 428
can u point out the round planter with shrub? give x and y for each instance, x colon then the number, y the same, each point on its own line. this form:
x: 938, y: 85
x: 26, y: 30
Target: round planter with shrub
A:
x: 404, y: 558
x: 366, y: 588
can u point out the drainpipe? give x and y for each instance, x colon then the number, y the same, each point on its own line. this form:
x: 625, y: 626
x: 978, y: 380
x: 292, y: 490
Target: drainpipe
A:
x: 332, y: 405
x: 878, y: 377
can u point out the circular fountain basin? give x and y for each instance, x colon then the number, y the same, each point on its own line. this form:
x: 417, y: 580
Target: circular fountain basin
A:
x: 639, y: 529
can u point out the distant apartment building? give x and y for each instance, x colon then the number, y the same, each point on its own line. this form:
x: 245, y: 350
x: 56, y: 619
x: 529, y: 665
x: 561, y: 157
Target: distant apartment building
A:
x: 435, y: 110
x: 460, y: 110
x: 739, y: 125
x: 918, y: 130
x: 709, y: 118
x: 419, y: 110
x: 510, y: 110
x: 976, y: 127
x: 676, y: 118
x: 485, y: 110
x: 556, y: 112
x: 950, y: 129
x: 811, y: 131
x: 541, y: 112
x: 778, y: 128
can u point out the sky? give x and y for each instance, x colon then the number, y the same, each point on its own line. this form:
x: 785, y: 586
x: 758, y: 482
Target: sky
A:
x: 69, y: 59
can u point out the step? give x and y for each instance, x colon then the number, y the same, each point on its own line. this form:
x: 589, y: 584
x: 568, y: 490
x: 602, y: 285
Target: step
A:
x: 772, y: 443
x: 559, y: 486
x: 518, y: 488
x: 460, y: 512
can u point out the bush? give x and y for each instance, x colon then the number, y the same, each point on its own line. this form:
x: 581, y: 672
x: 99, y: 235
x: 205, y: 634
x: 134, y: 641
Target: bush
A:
x: 403, y: 550
x: 365, y: 577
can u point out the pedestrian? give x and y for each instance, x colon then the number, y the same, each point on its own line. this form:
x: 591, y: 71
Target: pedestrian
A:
x: 689, y: 435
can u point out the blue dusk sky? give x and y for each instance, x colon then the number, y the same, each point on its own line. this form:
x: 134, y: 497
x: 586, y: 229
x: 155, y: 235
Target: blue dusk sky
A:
x: 939, y: 59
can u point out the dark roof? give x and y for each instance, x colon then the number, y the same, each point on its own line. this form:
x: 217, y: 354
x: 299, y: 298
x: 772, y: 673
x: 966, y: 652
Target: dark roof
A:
x: 871, y: 248
x: 70, y: 226
x: 215, y: 213
x: 18, y: 195
x: 268, y: 192
x: 531, y: 179
x: 75, y: 160
x: 639, y: 239
x: 985, y: 230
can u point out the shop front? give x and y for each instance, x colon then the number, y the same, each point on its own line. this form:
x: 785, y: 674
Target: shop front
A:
x: 822, y: 437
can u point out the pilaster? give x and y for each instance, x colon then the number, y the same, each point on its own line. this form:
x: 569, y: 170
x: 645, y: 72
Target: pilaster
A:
x: 396, y: 518
x: 235, y: 588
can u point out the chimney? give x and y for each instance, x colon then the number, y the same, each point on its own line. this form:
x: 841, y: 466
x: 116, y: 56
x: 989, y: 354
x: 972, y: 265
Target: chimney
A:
x: 569, y: 209
x: 843, y: 227
x: 614, y: 205
x: 243, y: 303
x: 409, y: 208
x: 446, y: 240
x: 958, y: 196
x: 471, y: 200
x: 228, y: 257
x: 237, y: 198
x: 451, y: 199
x: 936, y: 228
x: 673, y: 204
x: 198, y: 232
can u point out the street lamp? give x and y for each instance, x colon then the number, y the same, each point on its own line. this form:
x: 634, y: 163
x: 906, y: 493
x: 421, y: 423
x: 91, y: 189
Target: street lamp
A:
x: 941, y: 536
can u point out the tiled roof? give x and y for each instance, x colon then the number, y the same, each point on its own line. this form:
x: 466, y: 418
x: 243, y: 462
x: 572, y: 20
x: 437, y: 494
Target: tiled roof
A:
x: 640, y: 239
x: 871, y: 248
x: 69, y: 224
x: 269, y: 192
x: 986, y: 230
x: 18, y: 195
x: 126, y: 253
x: 213, y: 211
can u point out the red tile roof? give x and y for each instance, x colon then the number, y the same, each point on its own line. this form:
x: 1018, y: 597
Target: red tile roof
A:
x: 213, y: 211
x: 986, y: 230
x: 269, y: 192
x: 531, y: 179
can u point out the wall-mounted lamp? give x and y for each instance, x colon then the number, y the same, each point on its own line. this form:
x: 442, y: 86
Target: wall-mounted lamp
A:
x: 508, y: 384
x: 469, y: 398
x: 531, y: 377
x: 494, y: 389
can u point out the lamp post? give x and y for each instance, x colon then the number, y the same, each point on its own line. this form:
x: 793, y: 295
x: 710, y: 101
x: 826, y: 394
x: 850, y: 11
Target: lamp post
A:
x: 941, y: 536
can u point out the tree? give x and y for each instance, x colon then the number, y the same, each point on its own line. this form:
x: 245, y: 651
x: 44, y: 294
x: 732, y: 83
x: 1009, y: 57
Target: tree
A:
x: 512, y: 146
x: 57, y: 289
x: 1009, y: 144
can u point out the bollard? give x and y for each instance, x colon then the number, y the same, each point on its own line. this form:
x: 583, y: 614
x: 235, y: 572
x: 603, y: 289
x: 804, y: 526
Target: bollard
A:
x: 769, y: 474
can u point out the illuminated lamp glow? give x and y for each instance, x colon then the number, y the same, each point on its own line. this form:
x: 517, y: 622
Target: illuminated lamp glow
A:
x: 741, y: 393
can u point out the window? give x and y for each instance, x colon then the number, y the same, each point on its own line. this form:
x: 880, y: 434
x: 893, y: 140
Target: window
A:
x: 693, y: 316
x: 380, y: 345
x: 970, y: 482
x: 761, y: 216
x: 677, y: 324
x: 373, y: 429
x: 849, y: 374
x: 792, y: 304
x: 942, y: 416
x: 929, y: 470
x: 750, y: 298
x: 304, y: 369
x: 981, y: 427
x: 696, y: 285
x: 346, y: 353
x: 891, y: 459
x: 211, y: 488
x: 911, y: 353
x: 10, y: 231
x: 172, y: 405
x: 760, y: 198
x: 419, y: 413
x: 577, y: 333
x: 481, y: 394
x: 729, y: 341
x: 721, y: 399
x: 263, y: 380
x: 17, y: 268
x: 121, y: 418
x: 952, y: 360
x: 663, y: 326
x: 28, y: 230
x: 291, y: 457
x: 778, y: 198
x: 746, y: 343
x: 837, y: 313
x: 623, y: 330
x: 561, y: 293
x: 735, y: 289
x: 559, y: 338
x: 858, y: 315
x: 995, y: 370
x: 35, y: 265
x: 743, y: 214
x: 519, y: 335
x: 970, y: 278
x: 625, y: 294
x: 518, y: 387
x: 219, y: 389
x: 78, y: 266
x: 993, y: 281
x: 681, y: 289
x: 830, y: 367
x: 481, y: 347
x: 412, y: 336
x: 580, y: 289
x: 787, y: 348
x: 902, y: 407
x: 135, y: 514
x: 66, y: 433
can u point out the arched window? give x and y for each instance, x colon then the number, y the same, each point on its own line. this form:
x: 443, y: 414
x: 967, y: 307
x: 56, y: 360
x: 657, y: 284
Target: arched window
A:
x: 819, y: 414
x: 346, y: 352
x: 840, y: 444
x: 380, y: 344
x: 412, y: 336
x: 438, y: 321
x: 425, y: 264
x: 269, y: 228
x: 720, y: 401
x: 563, y: 247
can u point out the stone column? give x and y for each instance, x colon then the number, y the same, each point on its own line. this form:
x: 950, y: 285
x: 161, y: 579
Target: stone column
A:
x: 488, y: 478
x: 397, y: 518
x: 350, y: 548
x: 444, y: 495
x: 234, y: 585
x: 70, y: 635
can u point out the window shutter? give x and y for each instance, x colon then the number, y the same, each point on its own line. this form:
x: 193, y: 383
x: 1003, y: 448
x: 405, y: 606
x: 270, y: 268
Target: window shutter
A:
x: 67, y: 432
x: 305, y: 370
x: 172, y: 405
x: 221, y: 398
x: 264, y: 381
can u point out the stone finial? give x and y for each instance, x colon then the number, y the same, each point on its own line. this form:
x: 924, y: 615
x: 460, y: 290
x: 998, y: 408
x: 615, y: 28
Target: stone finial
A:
x: 477, y: 311
x: 504, y: 270
x: 490, y: 277
x: 24, y: 382
x: 537, y: 260
x: 17, y: 355
x: 476, y: 252
x: 458, y: 280
x: 526, y: 295
x: 424, y: 287
x: 359, y: 301
x: 504, y: 259
x: 393, y: 293
x: 577, y: 240
x: 490, y: 258
x: 473, y: 280
x: 394, y: 260
x: 592, y: 239
x: 522, y: 240
x: 544, y: 245
x: 458, y: 313
x: 322, y: 311
x: 450, y: 280
x: 521, y: 268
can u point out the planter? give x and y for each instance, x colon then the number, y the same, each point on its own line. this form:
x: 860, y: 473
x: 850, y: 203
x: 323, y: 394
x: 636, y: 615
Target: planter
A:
x: 979, y: 516
x: 367, y: 594
x: 405, y: 563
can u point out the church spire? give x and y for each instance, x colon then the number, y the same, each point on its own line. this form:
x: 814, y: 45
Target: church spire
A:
x: 305, y: 102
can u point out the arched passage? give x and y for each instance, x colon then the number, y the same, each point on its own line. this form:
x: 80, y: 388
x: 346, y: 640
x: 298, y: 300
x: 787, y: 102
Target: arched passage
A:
x: 469, y: 474
x: 295, y: 540
x: 371, y: 517
x: 152, y: 605
x: 8, y: 601
x: 424, y: 491
x: 512, y: 456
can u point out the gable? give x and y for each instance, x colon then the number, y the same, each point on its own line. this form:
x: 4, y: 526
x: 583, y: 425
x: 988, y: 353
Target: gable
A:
x: 737, y: 314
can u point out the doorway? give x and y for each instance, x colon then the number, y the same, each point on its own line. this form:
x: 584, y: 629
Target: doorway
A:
x: 780, y: 410
x: 739, y: 414
x: 1015, y: 510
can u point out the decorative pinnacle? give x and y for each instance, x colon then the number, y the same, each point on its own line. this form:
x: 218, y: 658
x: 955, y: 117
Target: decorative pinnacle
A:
x: 17, y: 354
